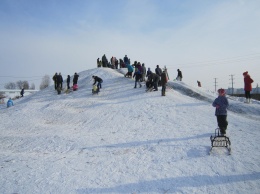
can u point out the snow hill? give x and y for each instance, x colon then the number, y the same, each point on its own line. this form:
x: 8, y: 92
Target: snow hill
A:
x: 125, y: 140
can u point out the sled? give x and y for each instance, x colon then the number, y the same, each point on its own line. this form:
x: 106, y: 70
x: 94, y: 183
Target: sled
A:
x: 75, y: 87
x: 220, y: 141
x: 95, y: 89
x: 149, y: 89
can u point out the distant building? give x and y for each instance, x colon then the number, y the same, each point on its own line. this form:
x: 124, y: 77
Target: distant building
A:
x: 242, y: 91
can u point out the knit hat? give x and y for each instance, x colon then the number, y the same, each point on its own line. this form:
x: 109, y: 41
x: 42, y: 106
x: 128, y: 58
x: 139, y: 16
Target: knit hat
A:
x: 221, y: 91
x: 245, y: 73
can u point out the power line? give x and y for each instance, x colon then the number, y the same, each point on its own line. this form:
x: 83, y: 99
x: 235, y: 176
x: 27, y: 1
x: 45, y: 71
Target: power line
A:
x: 232, y: 83
x: 215, y: 84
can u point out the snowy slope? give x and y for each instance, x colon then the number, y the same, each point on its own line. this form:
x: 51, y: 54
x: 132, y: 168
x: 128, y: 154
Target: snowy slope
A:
x: 125, y: 140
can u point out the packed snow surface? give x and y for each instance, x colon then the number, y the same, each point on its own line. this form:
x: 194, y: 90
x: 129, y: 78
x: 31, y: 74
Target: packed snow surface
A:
x: 126, y: 140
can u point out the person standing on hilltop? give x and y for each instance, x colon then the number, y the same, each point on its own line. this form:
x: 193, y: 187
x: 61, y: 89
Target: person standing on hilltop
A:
x: 179, y: 76
x: 68, y: 82
x: 248, y: 86
x: 54, y: 78
x: 75, y: 78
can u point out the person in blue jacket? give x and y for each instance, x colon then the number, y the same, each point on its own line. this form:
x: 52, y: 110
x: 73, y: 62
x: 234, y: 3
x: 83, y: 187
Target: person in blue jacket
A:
x: 130, y: 71
x: 221, y: 104
x: 10, y: 103
x: 138, y: 76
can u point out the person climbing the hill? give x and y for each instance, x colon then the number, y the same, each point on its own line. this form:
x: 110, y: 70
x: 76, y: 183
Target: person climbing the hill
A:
x: 10, y: 103
x: 137, y: 76
x: 248, y: 86
x: 221, y: 104
x: 179, y: 76
x: 97, y: 80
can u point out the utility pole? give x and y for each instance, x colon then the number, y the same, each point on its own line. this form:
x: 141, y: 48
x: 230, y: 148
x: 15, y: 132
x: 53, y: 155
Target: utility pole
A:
x: 215, y: 84
x: 232, y: 83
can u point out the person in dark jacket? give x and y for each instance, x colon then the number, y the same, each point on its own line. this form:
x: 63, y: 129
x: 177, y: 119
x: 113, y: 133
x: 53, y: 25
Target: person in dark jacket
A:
x: 55, y: 80
x: 22, y: 92
x: 75, y: 78
x: 68, y: 82
x: 199, y: 84
x: 148, y: 72
x: 59, y: 81
x: 179, y: 76
x: 143, y: 72
x: 221, y: 104
x: 154, y: 78
x: 158, y: 71
x: 137, y: 76
x: 97, y: 80
x: 248, y: 86
x: 163, y: 82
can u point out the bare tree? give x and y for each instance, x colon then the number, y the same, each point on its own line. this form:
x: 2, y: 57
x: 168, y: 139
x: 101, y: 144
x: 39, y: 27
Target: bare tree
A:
x: 46, y: 80
x: 32, y: 86
x: 19, y: 84
x: 10, y: 85
x: 26, y: 85
x: 22, y: 84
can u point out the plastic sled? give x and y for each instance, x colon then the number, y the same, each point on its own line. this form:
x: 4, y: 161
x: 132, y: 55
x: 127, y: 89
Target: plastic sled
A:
x: 220, y: 141
x: 75, y: 87
x: 95, y: 89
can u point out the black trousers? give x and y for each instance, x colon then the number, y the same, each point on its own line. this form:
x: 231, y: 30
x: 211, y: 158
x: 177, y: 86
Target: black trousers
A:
x: 222, y: 123
x: 247, y: 93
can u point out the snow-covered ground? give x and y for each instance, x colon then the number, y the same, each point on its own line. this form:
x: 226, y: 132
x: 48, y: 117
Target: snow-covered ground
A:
x: 125, y: 140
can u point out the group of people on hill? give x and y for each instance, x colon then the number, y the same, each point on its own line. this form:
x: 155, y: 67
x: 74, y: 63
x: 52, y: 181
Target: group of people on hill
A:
x: 58, y: 82
x: 114, y: 63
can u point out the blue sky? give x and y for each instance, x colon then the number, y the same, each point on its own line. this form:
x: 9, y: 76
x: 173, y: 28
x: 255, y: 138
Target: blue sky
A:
x: 205, y: 39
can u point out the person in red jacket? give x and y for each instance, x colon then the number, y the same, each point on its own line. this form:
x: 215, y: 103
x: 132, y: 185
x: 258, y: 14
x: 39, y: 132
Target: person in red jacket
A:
x: 248, y: 86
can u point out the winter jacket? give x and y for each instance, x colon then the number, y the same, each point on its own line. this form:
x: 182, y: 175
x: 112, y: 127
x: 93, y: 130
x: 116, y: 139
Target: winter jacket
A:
x: 97, y: 79
x: 153, y: 77
x: 59, y: 79
x: 130, y: 68
x: 163, y: 78
x: 221, y: 104
x: 179, y: 74
x: 143, y: 69
x: 68, y: 79
x: 248, y: 83
x: 10, y: 103
x: 158, y: 71
x: 22, y: 92
x: 75, y: 78
x: 137, y: 75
